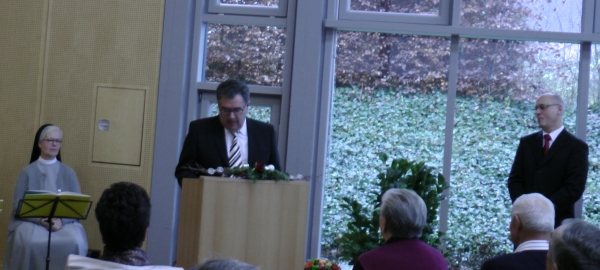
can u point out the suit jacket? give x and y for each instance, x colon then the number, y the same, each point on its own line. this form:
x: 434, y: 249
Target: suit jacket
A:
x: 205, y: 145
x: 560, y: 175
x: 524, y: 260
x: 402, y: 254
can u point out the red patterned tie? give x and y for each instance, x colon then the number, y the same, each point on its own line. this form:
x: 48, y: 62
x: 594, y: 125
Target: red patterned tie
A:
x: 546, y: 143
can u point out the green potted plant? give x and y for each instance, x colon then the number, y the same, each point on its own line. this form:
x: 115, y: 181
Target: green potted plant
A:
x: 362, y: 232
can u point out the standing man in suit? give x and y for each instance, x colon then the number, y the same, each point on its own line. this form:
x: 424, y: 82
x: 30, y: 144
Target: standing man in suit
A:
x: 531, y: 225
x: 229, y: 139
x: 552, y: 161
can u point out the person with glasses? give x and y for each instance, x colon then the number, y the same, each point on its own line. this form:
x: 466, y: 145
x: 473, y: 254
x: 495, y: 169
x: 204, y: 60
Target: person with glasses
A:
x: 229, y: 139
x: 552, y: 161
x: 28, y: 237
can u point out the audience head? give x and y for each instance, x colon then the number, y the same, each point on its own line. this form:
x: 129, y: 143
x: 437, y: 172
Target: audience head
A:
x: 575, y: 245
x: 531, y: 215
x: 123, y: 213
x: 233, y: 98
x: 223, y: 264
x: 548, y: 111
x: 403, y: 214
x: 42, y: 148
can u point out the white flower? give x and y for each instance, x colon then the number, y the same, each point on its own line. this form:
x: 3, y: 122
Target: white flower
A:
x: 270, y: 167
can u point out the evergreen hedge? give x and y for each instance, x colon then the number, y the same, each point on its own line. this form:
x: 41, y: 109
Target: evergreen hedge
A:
x: 486, y: 135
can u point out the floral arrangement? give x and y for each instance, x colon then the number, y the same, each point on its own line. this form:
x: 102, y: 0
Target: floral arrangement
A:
x: 320, y: 264
x: 259, y: 172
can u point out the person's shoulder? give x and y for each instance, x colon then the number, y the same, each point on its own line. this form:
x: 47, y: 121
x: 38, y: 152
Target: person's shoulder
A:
x: 527, y: 259
x: 531, y: 136
x: 256, y: 123
x: 30, y: 168
x: 65, y: 167
x: 571, y: 136
x: 205, y: 121
x: 498, y: 261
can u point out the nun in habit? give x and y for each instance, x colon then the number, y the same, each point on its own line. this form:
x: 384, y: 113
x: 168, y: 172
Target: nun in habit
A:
x: 28, y: 237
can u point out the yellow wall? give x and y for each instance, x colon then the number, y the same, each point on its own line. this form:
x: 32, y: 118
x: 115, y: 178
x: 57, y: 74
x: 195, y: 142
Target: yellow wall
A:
x: 52, y: 55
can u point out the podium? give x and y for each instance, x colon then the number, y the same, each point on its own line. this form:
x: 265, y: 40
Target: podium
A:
x: 262, y: 223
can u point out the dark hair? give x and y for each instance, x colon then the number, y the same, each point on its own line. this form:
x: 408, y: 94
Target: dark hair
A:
x: 123, y: 213
x: 36, y: 151
x: 576, y: 246
x: 230, y: 88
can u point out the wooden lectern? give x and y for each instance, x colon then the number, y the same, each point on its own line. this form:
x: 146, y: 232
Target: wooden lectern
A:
x: 262, y: 223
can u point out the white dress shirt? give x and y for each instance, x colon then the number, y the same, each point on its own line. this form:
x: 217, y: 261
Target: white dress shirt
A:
x: 532, y: 245
x: 553, y: 135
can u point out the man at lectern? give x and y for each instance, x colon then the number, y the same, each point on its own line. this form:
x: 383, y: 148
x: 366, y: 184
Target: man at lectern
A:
x: 229, y: 139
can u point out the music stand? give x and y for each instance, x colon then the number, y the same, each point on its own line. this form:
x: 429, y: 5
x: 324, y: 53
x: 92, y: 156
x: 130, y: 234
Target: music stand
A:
x: 53, y: 206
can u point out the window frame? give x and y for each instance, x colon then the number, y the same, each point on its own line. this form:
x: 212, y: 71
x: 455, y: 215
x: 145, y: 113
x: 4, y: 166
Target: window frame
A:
x: 215, y: 6
x: 442, y: 18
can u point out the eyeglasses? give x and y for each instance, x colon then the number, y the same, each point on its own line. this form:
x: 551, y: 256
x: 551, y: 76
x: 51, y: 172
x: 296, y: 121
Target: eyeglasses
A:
x: 51, y: 141
x: 236, y: 111
x: 544, y: 106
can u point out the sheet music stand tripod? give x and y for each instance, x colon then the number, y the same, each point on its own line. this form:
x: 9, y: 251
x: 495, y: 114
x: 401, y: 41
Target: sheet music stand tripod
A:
x: 54, y: 207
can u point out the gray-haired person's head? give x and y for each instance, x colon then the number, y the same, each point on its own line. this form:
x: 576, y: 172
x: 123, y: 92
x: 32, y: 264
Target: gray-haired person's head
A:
x: 223, y: 264
x: 575, y: 245
x: 49, y: 129
x: 404, y: 212
x: 535, y: 212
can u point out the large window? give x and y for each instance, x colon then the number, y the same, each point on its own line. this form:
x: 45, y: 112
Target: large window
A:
x: 248, y: 53
x: 557, y: 16
x: 390, y: 97
x: 269, y: 3
x: 398, y: 6
x: 591, y: 197
x: 498, y: 84
x: 413, y: 80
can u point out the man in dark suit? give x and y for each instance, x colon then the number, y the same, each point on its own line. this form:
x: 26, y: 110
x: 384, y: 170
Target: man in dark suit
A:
x: 531, y: 225
x: 229, y: 139
x: 552, y: 161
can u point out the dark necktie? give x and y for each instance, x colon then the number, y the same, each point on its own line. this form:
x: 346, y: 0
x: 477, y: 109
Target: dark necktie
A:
x: 546, y: 143
x: 235, y: 155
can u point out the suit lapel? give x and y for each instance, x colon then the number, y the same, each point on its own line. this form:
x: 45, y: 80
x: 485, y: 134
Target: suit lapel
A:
x: 252, y: 144
x: 537, y: 147
x: 219, y: 141
x: 560, y: 141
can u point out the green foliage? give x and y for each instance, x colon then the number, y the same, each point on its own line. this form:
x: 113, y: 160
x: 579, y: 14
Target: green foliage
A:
x: 362, y: 231
x: 420, y: 178
x: 362, y: 234
x: 485, y: 138
x: 258, y: 173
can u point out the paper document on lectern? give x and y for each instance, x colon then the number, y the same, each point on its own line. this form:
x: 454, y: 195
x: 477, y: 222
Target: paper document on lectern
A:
x: 37, y: 203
